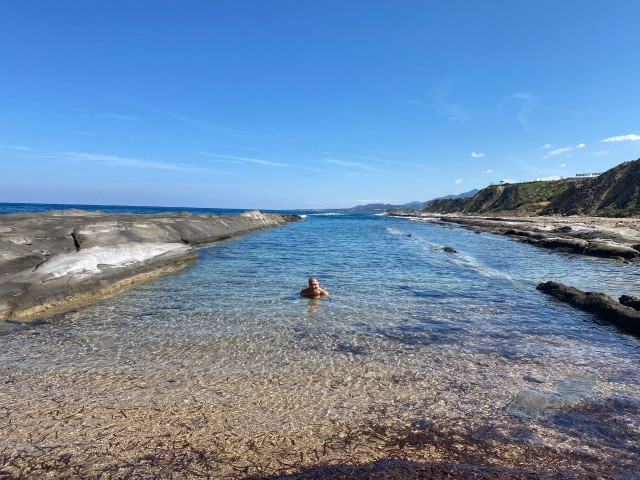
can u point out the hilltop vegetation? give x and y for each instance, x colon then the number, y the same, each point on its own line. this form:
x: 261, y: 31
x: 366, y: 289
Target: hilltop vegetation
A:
x: 615, y: 193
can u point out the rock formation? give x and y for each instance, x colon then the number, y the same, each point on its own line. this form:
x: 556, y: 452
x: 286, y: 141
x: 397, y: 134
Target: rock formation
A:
x: 615, y: 193
x: 606, y: 307
x: 58, y: 260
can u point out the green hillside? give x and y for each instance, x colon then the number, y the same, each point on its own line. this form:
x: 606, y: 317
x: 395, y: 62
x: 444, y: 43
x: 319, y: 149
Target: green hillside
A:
x: 615, y: 193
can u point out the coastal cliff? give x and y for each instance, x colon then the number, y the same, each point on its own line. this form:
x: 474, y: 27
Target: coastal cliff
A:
x: 615, y: 193
x: 59, y: 260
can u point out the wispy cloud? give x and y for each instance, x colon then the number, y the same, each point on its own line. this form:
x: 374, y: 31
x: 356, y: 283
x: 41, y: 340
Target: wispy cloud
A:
x: 446, y: 106
x: 632, y: 137
x: 525, y: 101
x: 21, y: 148
x: 458, y: 181
x: 177, y: 116
x: 389, y: 162
x: 83, y: 132
x: 111, y: 160
x: 121, y: 117
x: 488, y: 171
x: 564, y: 150
x: 477, y: 154
x: 558, y: 151
x: 562, y: 165
x: 235, y: 159
x: 357, y: 165
x: 238, y: 147
x: 601, y: 152
x: 129, y: 162
x: 547, y: 146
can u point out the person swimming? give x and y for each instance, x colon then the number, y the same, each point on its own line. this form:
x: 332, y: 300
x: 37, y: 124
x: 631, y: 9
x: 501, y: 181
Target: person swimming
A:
x: 314, y: 290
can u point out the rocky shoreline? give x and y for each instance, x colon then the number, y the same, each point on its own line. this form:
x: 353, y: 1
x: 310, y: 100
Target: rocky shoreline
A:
x: 59, y: 260
x: 614, y: 238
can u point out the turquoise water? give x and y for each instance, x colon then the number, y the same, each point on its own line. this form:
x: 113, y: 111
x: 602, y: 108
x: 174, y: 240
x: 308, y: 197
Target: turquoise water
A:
x: 409, y: 333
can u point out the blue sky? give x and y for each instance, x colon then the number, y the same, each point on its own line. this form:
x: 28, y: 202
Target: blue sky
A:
x: 309, y: 104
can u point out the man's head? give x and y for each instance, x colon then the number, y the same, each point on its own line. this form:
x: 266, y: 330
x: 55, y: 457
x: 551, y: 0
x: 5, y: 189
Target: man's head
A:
x: 314, y: 283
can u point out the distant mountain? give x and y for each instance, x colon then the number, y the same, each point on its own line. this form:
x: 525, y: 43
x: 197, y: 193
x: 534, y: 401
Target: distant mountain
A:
x: 615, y: 193
x: 373, y: 207
x: 468, y: 194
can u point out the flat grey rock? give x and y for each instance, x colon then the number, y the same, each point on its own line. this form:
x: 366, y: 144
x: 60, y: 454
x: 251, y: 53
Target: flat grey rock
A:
x: 53, y: 261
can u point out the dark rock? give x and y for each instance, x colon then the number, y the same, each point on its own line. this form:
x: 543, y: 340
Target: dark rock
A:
x: 606, y: 307
x: 450, y: 250
x: 630, y: 301
x: 532, y: 379
x: 571, y: 245
x: 607, y: 250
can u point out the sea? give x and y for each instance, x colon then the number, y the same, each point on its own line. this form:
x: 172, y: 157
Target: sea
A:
x: 459, y: 346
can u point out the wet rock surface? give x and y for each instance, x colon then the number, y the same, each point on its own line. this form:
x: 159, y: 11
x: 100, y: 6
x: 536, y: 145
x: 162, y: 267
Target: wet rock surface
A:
x: 606, y: 307
x: 54, y: 261
x: 611, y: 238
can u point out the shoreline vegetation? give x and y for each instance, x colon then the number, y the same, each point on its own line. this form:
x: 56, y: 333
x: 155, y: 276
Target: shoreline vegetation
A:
x: 56, y: 261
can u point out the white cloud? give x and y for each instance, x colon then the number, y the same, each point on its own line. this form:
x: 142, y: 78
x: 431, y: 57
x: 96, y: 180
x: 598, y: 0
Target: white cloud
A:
x: 488, y: 172
x: 581, y: 145
x: 507, y: 180
x: 547, y: 146
x: 559, y: 151
x: 234, y: 159
x: 458, y: 181
x: 477, y: 154
x: 562, y: 165
x: 632, y: 137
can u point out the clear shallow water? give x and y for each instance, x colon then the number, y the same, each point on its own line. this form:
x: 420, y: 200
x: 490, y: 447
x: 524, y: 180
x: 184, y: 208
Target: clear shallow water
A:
x: 410, y: 334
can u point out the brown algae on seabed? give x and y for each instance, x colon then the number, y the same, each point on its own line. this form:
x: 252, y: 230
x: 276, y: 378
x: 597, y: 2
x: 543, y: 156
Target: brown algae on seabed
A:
x: 167, y: 412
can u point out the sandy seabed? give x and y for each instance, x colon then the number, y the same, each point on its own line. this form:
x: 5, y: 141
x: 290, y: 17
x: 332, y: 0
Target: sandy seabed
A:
x: 174, y: 422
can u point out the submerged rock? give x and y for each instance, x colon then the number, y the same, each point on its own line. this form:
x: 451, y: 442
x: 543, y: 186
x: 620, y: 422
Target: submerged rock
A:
x: 630, y: 301
x: 450, y: 250
x: 534, y: 404
x: 606, y: 307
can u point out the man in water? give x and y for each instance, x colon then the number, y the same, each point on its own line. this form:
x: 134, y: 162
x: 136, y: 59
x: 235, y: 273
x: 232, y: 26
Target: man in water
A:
x: 314, y: 289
